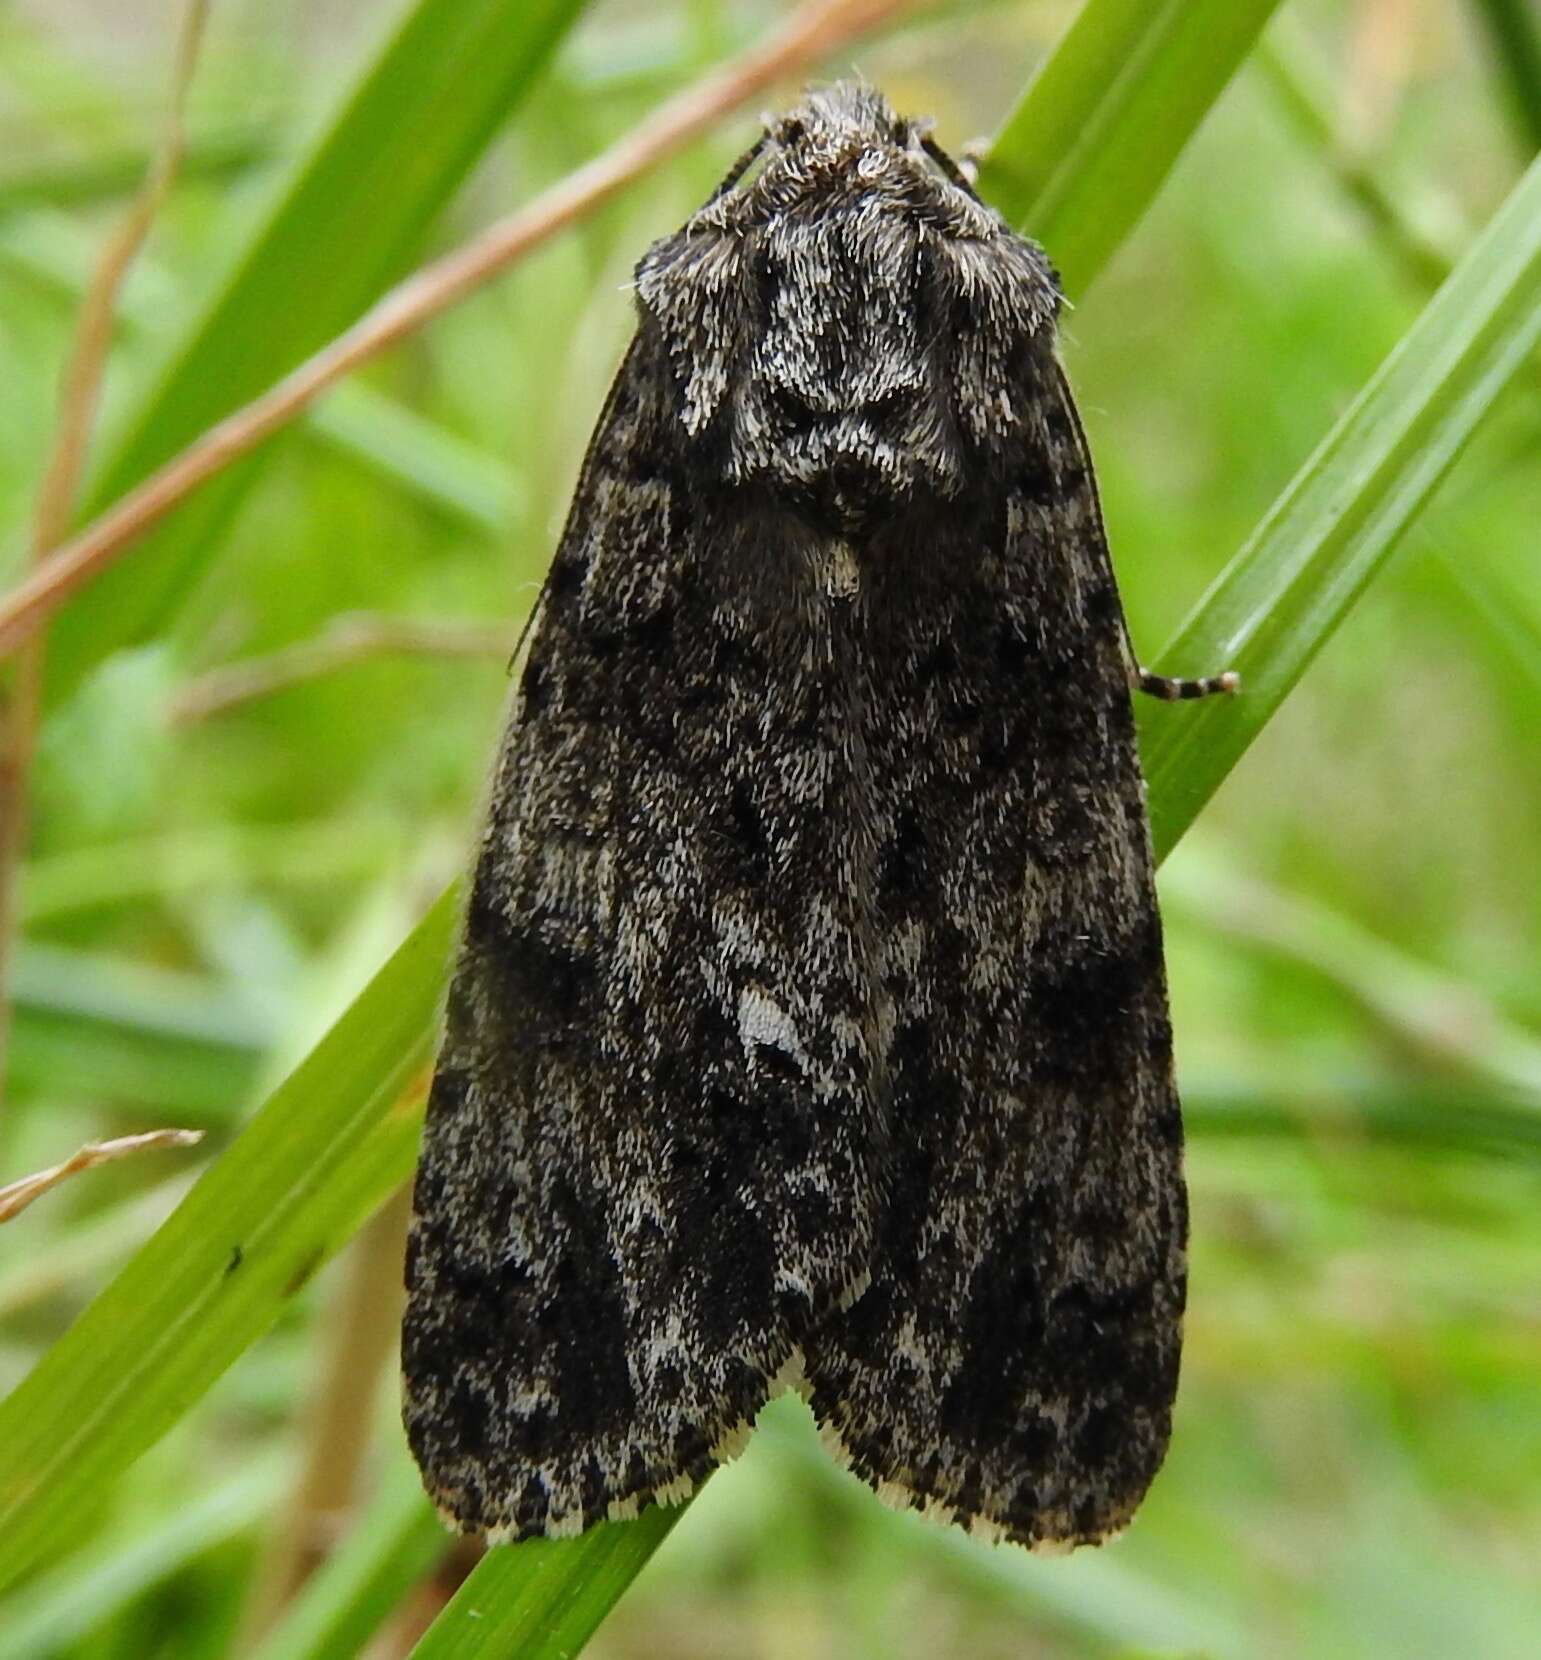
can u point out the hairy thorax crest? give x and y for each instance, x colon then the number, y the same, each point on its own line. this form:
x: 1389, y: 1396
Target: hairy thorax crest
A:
x: 850, y: 328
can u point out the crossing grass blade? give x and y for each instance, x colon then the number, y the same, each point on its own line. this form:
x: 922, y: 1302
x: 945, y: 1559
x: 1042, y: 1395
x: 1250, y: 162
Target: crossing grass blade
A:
x: 59, y: 1611
x: 544, y: 1600
x: 1284, y: 594
x: 1101, y: 124
x: 330, y: 1144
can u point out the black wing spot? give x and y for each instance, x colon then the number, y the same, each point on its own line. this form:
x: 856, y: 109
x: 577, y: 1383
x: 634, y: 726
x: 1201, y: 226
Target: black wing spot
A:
x: 1082, y: 1007
x: 1002, y: 1332
x: 903, y: 866
x: 939, y: 663
x: 448, y: 1097
x: 743, y: 837
x: 586, y: 1318
x: 777, y: 1063
x: 1003, y: 747
x: 736, y: 1265
x: 1036, y: 482
x: 1013, y: 653
x: 534, y: 688
x: 795, y: 417
x: 566, y: 577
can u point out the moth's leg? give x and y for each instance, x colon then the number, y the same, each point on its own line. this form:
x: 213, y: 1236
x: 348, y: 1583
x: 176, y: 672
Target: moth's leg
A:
x: 1170, y: 689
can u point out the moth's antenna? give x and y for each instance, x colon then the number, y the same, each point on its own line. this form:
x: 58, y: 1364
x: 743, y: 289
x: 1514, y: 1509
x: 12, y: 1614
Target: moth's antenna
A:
x: 949, y: 167
x: 740, y: 168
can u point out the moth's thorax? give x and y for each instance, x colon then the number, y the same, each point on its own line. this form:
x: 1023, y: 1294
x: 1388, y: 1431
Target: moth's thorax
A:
x: 850, y: 330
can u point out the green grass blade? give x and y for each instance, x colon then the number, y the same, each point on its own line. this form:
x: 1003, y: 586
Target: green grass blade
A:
x: 1404, y: 1000
x: 1084, y: 152
x: 1283, y: 595
x: 1307, y: 104
x: 60, y: 1609
x: 356, y: 205
x: 544, y: 1600
x: 396, y: 1541
x: 81, y: 1251
x: 319, y: 853
x: 439, y: 468
x: 1113, y: 1606
x: 88, y: 1024
x: 329, y: 1145
x: 1475, y: 1120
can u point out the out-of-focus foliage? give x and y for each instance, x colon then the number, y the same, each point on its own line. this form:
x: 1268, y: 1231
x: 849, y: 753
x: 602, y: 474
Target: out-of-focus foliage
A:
x: 1354, y: 926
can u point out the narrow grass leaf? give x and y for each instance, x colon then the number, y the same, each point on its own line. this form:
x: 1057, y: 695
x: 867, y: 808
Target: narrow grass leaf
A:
x: 1284, y: 594
x: 105, y: 172
x: 544, y: 1600
x: 56, y: 1612
x: 1476, y: 1120
x: 435, y: 464
x: 1514, y: 34
x: 419, y: 455
x: 1118, y: 1607
x: 1442, y: 1022
x: 91, y: 1025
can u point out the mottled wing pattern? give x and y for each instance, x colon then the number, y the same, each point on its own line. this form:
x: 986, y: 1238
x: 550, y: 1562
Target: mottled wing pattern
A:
x: 1014, y: 1361
x: 651, y: 1142
x: 810, y: 1020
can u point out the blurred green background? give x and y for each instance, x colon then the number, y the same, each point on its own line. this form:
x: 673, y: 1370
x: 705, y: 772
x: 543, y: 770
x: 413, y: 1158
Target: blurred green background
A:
x: 219, y: 862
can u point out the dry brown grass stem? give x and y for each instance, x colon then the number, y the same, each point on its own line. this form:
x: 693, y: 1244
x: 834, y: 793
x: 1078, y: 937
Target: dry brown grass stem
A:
x: 352, y: 638
x: 812, y: 31
x: 357, y: 1343
x: 16, y: 1196
x: 80, y: 394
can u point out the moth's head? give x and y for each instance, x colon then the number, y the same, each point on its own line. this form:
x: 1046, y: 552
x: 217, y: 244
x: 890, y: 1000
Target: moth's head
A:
x: 848, y: 325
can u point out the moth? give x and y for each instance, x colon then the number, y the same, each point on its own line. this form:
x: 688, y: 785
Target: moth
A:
x: 809, y: 1026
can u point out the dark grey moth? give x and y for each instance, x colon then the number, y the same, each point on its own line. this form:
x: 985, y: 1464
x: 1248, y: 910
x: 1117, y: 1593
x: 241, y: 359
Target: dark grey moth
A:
x: 810, y: 1025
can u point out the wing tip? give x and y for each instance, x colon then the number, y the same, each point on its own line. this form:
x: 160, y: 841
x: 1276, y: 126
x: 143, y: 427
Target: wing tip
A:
x: 498, y: 1525
x: 1048, y: 1533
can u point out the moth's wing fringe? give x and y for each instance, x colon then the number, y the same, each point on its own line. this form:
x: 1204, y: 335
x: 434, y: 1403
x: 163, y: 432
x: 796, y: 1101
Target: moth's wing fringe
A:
x: 672, y: 1489
x: 1061, y: 1540
x: 894, y: 1494
x: 623, y: 1507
